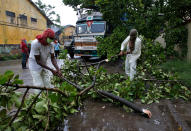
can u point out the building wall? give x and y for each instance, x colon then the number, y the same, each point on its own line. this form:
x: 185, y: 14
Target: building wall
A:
x: 68, y: 31
x: 12, y: 33
x: 189, y: 42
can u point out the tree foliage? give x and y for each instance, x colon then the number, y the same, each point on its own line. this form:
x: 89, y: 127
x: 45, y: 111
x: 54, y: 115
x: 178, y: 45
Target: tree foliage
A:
x: 48, y: 10
x: 149, y: 17
x: 90, y: 4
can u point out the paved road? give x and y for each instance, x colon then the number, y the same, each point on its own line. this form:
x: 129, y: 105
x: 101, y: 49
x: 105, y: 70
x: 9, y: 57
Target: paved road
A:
x: 15, y: 66
x: 24, y: 74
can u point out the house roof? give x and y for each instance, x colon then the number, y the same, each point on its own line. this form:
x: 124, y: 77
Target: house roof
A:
x: 48, y: 20
x: 68, y: 26
x: 58, y: 32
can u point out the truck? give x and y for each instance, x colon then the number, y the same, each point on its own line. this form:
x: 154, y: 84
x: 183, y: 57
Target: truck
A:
x: 88, y: 27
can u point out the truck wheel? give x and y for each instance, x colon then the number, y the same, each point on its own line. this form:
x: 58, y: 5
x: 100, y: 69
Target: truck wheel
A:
x: 71, y: 55
x: 86, y: 58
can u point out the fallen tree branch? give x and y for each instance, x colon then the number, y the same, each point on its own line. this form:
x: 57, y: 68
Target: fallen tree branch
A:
x: 48, y: 114
x: 125, y: 102
x: 30, y: 107
x: 76, y: 86
x: 86, y: 67
x: 92, y: 64
x: 92, y: 85
x: 40, y: 88
x: 161, y: 80
x: 87, y: 89
x: 22, y: 102
x: 35, y: 99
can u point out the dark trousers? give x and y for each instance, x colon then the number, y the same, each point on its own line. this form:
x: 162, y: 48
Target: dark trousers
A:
x: 57, y: 52
x: 24, y: 60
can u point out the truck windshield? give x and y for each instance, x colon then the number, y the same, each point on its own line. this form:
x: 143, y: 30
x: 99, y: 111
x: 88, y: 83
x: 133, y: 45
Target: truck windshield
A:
x: 81, y: 28
x: 98, y: 27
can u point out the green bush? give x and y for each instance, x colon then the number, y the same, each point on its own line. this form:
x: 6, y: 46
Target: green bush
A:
x: 177, y: 36
x: 110, y: 46
x: 5, y: 57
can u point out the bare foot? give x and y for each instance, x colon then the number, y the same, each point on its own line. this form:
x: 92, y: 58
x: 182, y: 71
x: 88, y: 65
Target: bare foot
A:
x: 147, y: 112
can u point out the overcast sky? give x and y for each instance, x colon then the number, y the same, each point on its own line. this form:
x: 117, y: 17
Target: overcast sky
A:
x: 67, y: 14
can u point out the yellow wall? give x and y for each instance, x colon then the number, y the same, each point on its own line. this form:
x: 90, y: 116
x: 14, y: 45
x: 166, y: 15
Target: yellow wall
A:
x: 68, y: 31
x: 13, y: 33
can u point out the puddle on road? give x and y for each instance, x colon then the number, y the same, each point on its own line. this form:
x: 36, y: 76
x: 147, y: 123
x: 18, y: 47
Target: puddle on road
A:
x: 101, y: 116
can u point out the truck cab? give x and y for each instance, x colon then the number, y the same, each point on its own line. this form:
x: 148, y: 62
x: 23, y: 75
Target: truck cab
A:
x: 88, y: 27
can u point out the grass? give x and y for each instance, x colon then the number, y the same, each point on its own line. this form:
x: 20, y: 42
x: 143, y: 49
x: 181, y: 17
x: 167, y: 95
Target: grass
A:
x: 182, y: 68
x: 10, y: 57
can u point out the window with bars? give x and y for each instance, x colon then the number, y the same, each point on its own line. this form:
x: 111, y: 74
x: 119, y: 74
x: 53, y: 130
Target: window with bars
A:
x: 23, y: 19
x: 10, y: 17
x: 33, y: 21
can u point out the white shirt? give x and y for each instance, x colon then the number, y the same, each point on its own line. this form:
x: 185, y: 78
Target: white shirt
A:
x: 38, y: 49
x: 137, y: 50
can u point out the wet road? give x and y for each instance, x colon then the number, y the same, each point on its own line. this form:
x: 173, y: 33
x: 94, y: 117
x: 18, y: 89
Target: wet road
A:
x: 100, y: 116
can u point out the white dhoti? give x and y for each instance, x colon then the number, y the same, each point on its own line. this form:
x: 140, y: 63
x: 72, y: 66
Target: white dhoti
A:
x: 130, y: 67
x: 41, y: 79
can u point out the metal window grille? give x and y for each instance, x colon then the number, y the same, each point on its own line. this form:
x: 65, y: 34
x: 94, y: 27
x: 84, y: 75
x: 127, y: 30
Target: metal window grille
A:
x: 33, y: 19
x: 9, y: 13
x: 24, y: 17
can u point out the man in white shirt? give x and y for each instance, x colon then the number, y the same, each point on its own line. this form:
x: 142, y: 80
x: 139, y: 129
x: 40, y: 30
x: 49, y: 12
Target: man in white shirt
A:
x: 41, y: 48
x: 132, y: 44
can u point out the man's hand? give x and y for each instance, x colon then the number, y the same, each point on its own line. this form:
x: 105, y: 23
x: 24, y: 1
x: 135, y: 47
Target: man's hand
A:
x: 121, y: 53
x: 56, y: 73
x: 147, y: 112
x: 59, y: 73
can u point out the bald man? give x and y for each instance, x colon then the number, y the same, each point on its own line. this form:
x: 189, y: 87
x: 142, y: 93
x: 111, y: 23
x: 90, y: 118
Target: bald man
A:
x: 131, y: 46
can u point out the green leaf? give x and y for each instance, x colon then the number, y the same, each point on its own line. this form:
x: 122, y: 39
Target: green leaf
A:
x: 3, y: 113
x: 142, y: 100
x: 17, y: 102
x: 9, y: 73
x: 17, y: 81
x: 150, y: 101
x: 73, y: 110
x: 8, y: 129
x: 65, y: 114
x: 3, y: 79
x: 53, y: 97
x: 4, y: 94
x: 22, y: 128
x: 16, y: 77
x: 65, y: 108
x: 39, y: 117
x: 18, y: 119
x: 41, y: 107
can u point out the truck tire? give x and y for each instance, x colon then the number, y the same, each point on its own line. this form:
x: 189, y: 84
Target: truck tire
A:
x: 86, y: 58
x: 71, y: 54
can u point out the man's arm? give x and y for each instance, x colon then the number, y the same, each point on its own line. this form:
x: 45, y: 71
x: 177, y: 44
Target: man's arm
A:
x: 37, y: 58
x: 54, y: 62
x: 124, y: 45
